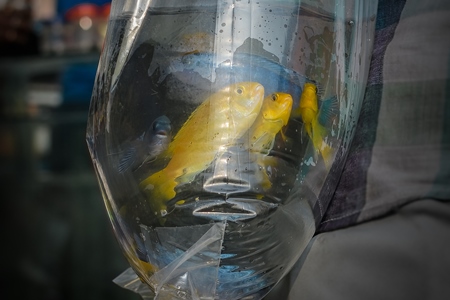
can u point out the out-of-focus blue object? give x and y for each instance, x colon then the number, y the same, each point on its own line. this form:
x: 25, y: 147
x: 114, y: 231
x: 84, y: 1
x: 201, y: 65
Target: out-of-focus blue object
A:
x: 78, y: 82
x: 65, y: 5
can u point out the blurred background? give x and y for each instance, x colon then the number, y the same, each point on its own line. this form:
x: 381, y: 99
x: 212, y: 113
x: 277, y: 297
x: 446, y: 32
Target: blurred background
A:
x: 57, y: 242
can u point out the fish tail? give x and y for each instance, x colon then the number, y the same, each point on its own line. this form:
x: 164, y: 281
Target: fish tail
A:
x: 311, y: 131
x: 266, y: 184
x: 148, y: 268
x: 160, y: 189
x: 317, y: 134
x: 283, y: 134
x: 327, y: 152
x: 265, y: 180
x: 318, y: 137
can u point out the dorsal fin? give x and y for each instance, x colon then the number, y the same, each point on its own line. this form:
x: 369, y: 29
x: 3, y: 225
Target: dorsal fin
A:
x: 328, y: 111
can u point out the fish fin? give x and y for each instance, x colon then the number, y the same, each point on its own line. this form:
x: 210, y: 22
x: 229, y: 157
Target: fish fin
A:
x: 187, y: 177
x: 195, y: 52
x: 264, y: 143
x: 284, y: 137
x: 148, y: 159
x: 141, y: 137
x: 265, y: 162
x: 127, y: 160
x: 148, y: 267
x: 160, y: 189
x: 265, y: 182
x: 327, y: 153
x: 310, y: 130
x: 139, y: 246
x: 320, y: 90
x: 329, y: 110
x: 302, y: 134
x: 319, y: 133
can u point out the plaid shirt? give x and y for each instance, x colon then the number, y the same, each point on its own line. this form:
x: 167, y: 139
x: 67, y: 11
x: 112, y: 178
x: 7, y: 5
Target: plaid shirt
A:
x: 396, y: 181
x: 401, y: 149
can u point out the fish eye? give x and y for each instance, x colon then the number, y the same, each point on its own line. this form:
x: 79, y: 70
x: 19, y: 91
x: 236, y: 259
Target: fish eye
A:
x: 274, y: 97
x: 240, y: 90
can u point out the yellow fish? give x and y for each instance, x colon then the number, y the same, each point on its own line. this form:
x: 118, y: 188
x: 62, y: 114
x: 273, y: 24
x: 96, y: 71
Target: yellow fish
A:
x: 274, y: 115
x: 217, y: 123
x: 309, y: 111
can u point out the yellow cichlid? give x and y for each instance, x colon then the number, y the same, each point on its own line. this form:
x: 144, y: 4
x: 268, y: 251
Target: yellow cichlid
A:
x: 274, y: 114
x: 217, y: 123
x: 309, y: 111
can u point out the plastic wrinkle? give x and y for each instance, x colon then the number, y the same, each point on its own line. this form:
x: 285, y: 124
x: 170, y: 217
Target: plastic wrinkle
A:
x: 129, y: 280
x: 192, y: 275
x: 190, y: 268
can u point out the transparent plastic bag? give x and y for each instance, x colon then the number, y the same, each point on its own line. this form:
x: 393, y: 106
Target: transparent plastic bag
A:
x: 214, y: 127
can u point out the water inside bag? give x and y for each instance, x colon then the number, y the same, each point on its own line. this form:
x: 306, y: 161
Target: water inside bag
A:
x: 210, y: 150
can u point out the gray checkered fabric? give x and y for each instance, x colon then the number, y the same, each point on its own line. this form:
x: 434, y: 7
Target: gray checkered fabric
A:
x: 401, y: 149
x: 386, y: 231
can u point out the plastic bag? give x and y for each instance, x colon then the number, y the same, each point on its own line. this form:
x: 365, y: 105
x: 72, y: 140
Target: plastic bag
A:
x: 214, y: 127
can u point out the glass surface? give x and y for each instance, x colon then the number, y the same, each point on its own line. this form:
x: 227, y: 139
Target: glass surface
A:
x: 213, y: 128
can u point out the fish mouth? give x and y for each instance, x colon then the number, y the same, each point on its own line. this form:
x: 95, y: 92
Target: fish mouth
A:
x: 259, y: 91
x: 162, y: 133
x: 231, y: 209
